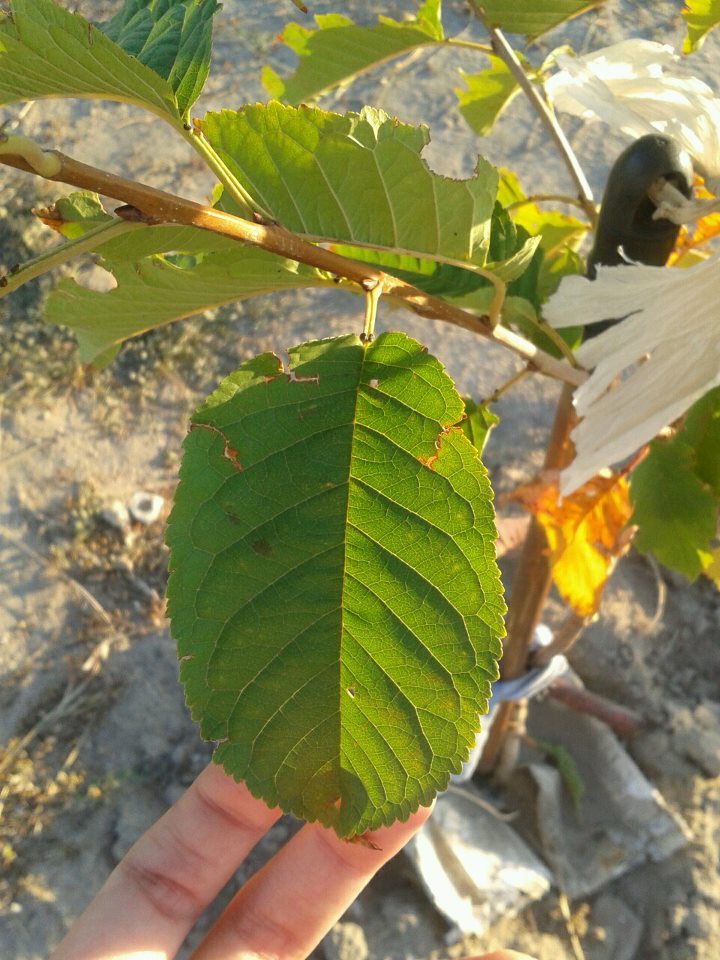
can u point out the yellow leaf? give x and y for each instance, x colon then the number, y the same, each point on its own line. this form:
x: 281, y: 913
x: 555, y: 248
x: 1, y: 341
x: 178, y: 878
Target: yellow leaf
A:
x: 706, y: 229
x: 711, y: 566
x: 586, y: 534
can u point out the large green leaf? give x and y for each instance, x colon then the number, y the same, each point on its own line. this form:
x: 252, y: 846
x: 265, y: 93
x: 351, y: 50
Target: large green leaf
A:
x: 333, y: 587
x: 701, y: 16
x: 675, y: 512
x: 356, y: 178
x: 172, y: 37
x: 338, y: 50
x: 533, y: 17
x: 204, y: 271
x: 486, y: 95
x: 46, y: 51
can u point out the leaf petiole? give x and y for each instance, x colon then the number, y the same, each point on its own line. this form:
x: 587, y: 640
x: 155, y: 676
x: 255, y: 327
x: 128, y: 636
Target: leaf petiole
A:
x: 227, y: 178
x: 372, y: 298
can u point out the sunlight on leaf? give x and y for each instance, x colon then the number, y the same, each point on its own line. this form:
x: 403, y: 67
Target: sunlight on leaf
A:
x: 172, y: 37
x: 534, y: 17
x: 46, y: 51
x: 586, y: 533
x: 701, y: 16
x: 487, y: 94
x: 354, y: 178
x: 337, y: 50
x: 152, y: 289
x: 711, y: 567
x: 333, y: 586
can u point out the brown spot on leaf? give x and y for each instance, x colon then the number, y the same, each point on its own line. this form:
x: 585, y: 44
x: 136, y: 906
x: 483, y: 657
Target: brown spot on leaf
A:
x: 263, y: 548
x: 229, y: 453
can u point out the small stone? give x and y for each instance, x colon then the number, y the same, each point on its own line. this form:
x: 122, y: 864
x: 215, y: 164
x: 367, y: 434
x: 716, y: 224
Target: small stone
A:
x: 616, y: 930
x: 116, y: 515
x: 146, y: 507
x: 346, y: 941
x: 698, y: 737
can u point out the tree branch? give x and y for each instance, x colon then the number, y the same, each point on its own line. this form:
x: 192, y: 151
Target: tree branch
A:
x: 156, y: 207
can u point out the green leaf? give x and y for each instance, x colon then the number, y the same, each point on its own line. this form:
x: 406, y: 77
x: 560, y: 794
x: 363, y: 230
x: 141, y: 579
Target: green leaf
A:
x: 172, y: 37
x: 701, y: 16
x: 47, y: 52
x: 564, y: 263
x: 478, y: 422
x: 701, y: 431
x: 488, y: 93
x: 567, y: 768
x: 675, y: 512
x: 153, y: 289
x: 338, y: 50
x: 333, y: 587
x: 353, y: 178
x: 533, y: 17
x: 76, y: 214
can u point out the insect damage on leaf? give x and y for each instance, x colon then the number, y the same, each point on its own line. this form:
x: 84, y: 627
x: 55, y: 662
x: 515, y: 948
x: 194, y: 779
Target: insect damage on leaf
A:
x: 336, y: 603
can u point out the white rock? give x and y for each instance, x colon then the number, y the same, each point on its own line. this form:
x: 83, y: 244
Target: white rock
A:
x: 145, y: 507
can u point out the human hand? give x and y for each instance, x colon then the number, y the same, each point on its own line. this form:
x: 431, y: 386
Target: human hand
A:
x: 158, y: 891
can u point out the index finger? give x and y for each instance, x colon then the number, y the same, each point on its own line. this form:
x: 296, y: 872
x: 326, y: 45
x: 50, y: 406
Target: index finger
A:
x: 156, y: 893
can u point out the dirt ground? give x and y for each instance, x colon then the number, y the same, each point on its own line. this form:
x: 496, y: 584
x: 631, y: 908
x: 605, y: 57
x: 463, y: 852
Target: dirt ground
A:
x: 96, y: 739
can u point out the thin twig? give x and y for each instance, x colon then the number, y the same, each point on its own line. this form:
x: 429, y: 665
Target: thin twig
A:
x: 42, y: 561
x: 482, y: 803
x: 621, y: 720
x: 504, y: 387
x: 661, y: 592
x: 12, y: 123
x: 157, y: 207
x: 509, y: 57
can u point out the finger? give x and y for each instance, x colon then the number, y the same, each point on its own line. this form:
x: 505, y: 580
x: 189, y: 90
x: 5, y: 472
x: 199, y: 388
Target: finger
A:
x: 157, y: 892
x: 289, y: 905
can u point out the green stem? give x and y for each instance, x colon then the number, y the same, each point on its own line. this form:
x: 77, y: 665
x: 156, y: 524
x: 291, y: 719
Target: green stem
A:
x: 372, y: 298
x: 89, y: 242
x: 470, y: 45
x: 248, y: 205
x: 552, y: 334
x: 504, y: 387
x: 498, y: 300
